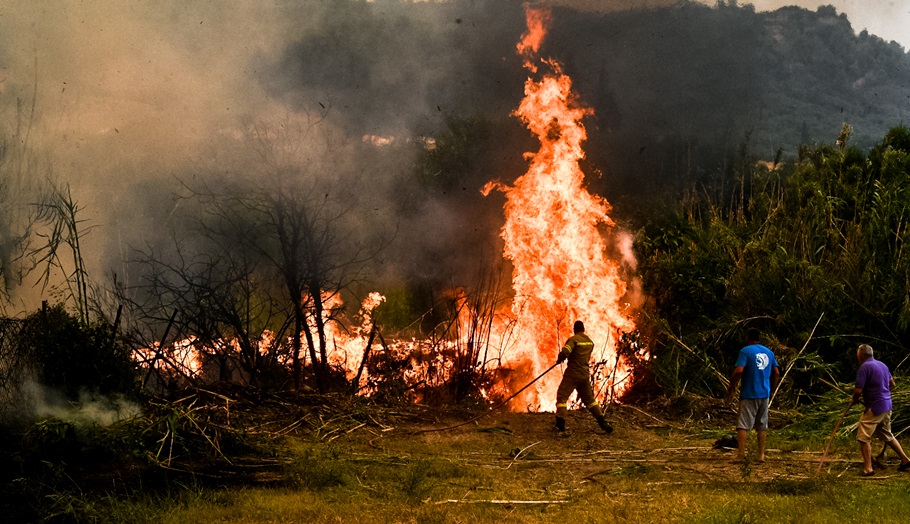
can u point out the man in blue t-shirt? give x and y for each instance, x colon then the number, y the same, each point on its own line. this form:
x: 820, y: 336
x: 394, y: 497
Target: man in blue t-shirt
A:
x: 758, y: 370
x: 873, y: 386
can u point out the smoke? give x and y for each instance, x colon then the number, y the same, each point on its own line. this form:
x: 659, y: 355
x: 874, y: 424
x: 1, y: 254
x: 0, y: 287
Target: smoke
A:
x: 39, y: 401
x: 135, y: 99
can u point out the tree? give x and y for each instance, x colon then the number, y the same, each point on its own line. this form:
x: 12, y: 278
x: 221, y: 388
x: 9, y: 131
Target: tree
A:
x: 225, y: 298
x: 303, y: 210
x: 57, y: 212
x: 266, y: 253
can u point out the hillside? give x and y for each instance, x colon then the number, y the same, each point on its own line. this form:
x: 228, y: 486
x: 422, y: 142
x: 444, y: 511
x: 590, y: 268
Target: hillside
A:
x: 679, y: 91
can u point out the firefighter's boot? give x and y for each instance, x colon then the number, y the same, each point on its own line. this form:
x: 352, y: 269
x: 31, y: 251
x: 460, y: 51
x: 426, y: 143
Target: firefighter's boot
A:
x: 560, y: 424
x: 599, y: 416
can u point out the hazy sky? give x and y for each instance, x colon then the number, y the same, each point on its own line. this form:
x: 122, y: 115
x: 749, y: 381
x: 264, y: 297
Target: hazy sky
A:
x: 889, y: 19
x: 179, y: 70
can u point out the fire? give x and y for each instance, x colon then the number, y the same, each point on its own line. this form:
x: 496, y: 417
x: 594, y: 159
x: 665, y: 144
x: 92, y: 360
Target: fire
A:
x: 347, y: 348
x: 554, y: 238
x: 537, y: 20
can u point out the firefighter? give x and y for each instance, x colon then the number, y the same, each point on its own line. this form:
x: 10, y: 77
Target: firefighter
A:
x: 577, y: 351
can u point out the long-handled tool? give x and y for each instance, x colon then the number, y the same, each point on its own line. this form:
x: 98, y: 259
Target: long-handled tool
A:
x: 494, y: 408
x: 825, y: 454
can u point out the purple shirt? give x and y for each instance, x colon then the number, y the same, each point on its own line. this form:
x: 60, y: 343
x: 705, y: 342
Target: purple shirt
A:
x: 874, y: 379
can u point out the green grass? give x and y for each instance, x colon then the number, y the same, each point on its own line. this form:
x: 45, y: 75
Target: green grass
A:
x: 387, y: 488
x: 622, y: 500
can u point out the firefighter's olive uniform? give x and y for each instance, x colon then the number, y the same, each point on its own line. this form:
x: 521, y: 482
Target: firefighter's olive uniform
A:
x: 577, y: 351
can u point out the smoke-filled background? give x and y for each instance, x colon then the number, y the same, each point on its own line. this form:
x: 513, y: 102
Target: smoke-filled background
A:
x: 402, y: 109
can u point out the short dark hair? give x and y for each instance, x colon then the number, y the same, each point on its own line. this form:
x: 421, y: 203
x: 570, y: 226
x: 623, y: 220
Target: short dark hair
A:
x: 753, y: 334
x: 579, y: 326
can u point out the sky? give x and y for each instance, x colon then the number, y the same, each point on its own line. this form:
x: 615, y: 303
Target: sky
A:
x: 889, y: 19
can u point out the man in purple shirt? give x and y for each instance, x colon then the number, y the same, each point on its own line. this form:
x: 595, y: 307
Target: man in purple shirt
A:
x: 873, y: 386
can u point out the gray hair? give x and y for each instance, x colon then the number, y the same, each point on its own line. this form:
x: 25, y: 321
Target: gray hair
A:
x: 865, y: 350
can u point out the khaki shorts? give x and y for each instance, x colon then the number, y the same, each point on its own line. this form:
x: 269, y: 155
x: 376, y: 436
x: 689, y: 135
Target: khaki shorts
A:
x: 878, y: 426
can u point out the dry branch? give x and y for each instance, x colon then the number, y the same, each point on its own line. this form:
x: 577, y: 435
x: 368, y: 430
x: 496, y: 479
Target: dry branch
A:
x: 453, y: 501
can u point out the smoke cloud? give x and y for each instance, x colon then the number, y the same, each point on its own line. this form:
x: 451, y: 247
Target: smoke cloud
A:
x: 134, y: 99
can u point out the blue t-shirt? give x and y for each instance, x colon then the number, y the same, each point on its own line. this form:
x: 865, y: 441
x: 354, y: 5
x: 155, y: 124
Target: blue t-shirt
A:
x: 874, y: 379
x: 757, y: 362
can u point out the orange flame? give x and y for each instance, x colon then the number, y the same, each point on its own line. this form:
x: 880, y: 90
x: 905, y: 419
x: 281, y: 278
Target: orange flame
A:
x: 553, y: 236
x: 528, y: 47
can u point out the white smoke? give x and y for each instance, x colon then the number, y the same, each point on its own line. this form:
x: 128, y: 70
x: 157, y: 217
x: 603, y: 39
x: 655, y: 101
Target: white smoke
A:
x: 45, y: 402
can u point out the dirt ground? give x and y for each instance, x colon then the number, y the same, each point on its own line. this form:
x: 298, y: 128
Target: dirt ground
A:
x: 680, y: 448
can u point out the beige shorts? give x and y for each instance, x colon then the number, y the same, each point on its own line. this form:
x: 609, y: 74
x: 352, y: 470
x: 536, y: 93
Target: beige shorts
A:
x: 878, y: 426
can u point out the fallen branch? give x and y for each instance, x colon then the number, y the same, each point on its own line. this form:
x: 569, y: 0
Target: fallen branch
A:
x: 645, y: 413
x: 453, y: 501
x: 520, y: 451
x: 355, y: 428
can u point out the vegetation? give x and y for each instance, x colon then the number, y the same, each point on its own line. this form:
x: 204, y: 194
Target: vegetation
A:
x: 787, y: 245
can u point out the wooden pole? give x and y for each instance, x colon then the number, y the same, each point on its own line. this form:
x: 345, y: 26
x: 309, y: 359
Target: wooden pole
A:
x: 830, y: 440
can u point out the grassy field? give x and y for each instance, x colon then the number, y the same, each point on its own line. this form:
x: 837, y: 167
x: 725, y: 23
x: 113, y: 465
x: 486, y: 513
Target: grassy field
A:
x: 362, y: 464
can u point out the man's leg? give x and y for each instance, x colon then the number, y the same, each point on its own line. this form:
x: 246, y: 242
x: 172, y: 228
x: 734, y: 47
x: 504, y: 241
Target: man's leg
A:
x: 865, y: 448
x: 872, y: 426
x: 562, y: 398
x: 599, y: 417
x: 896, y: 446
x: 741, y: 436
x: 586, y: 394
x: 745, y: 420
x: 883, y: 431
x: 761, y: 426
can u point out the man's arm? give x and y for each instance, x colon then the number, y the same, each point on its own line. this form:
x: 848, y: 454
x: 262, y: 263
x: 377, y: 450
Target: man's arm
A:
x: 775, y: 378
x: 857, y: 396
x: 565, y: 351
x: 892, y: 384
x: 734, y: 380
x: 861, y: 377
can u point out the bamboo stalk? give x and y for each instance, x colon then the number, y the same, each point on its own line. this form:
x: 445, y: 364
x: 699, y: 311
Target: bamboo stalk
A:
x: 793, y: 362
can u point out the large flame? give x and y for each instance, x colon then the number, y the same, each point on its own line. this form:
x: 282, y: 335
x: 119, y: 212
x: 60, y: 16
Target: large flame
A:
x: 554, y: 237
